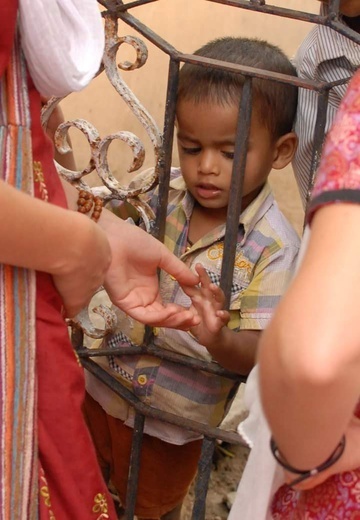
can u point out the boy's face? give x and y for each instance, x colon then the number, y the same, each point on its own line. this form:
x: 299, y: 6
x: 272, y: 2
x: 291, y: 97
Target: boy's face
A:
x: 206, y: 141
x: 349, y: 8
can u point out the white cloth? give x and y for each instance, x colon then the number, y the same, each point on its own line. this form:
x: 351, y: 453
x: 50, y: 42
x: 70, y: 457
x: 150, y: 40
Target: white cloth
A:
x: 63, y: 43
x: 262, y: 476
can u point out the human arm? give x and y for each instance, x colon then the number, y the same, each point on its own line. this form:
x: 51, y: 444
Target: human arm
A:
x: 132, y: 280
x: 309, y: 357
x: 44, y: 237
x: 310, y: 354
x: 349, y: 460
x: 234, y: 350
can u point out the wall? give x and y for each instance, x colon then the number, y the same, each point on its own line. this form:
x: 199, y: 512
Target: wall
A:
x: 186, y: 24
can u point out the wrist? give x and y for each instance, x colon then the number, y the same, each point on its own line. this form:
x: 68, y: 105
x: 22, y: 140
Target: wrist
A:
x: 218, y: 340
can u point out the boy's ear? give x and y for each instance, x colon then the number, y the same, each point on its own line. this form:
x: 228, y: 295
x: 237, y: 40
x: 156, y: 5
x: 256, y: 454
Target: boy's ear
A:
x: 285, y: 149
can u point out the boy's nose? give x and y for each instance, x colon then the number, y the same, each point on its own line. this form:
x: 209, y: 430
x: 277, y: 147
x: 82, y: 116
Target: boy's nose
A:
x: 208, y: 163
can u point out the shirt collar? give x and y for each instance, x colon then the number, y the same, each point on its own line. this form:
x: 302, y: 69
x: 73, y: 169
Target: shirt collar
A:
x: 256, y: 210
x: 248, y: 218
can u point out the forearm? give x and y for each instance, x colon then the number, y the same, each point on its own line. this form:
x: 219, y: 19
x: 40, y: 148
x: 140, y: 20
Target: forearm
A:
x: 236, y: 351
x: 39, y: 235
x: 309, y: 356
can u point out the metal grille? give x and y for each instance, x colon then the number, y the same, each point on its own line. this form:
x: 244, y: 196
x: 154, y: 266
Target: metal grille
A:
x: 162, y: 141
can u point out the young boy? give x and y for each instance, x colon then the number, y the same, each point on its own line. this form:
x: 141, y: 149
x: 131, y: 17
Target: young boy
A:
x: 267, y: 246
x: 327, y: 56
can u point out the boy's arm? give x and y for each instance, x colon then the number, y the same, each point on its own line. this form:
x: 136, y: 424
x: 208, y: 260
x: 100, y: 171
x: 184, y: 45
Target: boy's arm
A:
x: 234, y: 350
x: 237, y: 350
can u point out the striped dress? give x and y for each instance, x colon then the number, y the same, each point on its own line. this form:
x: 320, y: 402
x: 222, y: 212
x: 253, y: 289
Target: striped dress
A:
x: 48, y: 466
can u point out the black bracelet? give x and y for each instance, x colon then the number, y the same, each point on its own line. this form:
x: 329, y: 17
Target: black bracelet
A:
x: 307, y: 473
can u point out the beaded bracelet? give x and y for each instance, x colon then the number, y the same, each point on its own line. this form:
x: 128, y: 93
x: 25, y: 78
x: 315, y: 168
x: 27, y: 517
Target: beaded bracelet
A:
x: 307, y: 473
x: 86, y: 201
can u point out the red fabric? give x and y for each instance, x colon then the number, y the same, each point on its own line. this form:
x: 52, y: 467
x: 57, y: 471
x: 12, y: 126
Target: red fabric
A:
x: 66, y: 453
x: 8, y: 13
x: 71, y: 485
x: 166, y: 470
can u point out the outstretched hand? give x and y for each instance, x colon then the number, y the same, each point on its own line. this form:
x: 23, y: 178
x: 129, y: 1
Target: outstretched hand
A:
x: 208, y: 302
x: 132, y: 279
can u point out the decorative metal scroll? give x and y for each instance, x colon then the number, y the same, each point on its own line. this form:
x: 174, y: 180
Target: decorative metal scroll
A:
x: 110, y: 188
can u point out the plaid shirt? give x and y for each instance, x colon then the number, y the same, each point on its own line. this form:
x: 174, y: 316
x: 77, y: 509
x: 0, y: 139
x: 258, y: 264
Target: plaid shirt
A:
x: 266, y: 251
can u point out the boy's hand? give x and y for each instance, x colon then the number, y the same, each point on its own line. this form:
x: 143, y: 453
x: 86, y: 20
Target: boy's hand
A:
x: 208, y: 301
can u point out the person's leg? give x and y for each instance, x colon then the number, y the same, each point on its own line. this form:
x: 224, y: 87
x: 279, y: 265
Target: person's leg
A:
x: 166, y: 472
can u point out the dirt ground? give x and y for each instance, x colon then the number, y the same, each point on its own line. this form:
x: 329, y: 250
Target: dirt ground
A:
x: 224, y: 480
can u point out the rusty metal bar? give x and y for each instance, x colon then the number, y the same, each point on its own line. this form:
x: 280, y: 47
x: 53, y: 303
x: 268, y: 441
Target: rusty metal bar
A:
x: 149, y: 411
x: 252, y: 72
x: 318, y: 138
x: 234, y: 206
x: 295, y: 15
x: 118, y: 6
x: 134, y: 468
x: 149, y: 34
x: 168, y: 139
x: 202, y: 479
x: 212, y: 368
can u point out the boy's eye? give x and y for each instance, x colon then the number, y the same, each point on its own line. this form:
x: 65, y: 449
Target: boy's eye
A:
x: 228, y: 155
x: 191, y: 151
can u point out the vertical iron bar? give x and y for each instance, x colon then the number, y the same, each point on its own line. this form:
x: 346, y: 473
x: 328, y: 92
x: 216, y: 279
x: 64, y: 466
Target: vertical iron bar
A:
x: 134, y: 468
x: 237, y: 181
x: 166, y: 153
x: 319, y: 136
x: 202, y: 479
x: 334, y: 9
x: 77, y: 337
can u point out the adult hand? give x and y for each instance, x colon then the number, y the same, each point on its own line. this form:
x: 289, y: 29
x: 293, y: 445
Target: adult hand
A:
x: 132, y: 279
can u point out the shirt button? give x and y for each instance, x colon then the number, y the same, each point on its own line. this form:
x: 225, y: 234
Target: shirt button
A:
x: 142, y: 380
x: 156, y: 331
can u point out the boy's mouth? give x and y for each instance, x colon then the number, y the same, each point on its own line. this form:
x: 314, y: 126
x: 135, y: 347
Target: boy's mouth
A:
x: 207, y: 191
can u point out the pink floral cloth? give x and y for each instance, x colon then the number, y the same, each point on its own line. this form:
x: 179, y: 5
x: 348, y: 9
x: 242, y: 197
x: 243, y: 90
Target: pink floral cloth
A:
x: 338, y: 177
x: 338, y: 180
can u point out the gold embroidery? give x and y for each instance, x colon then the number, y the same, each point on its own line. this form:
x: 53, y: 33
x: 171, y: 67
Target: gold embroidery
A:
x: 243, y: 264
x: 215, y: 252
x: 39, y: 177
x: 100, y: 506
x: 45, y: 493
x: 77, y: 358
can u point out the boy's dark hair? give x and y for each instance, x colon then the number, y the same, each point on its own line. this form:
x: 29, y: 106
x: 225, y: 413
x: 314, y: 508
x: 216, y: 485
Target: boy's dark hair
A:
x: 275, y: 102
